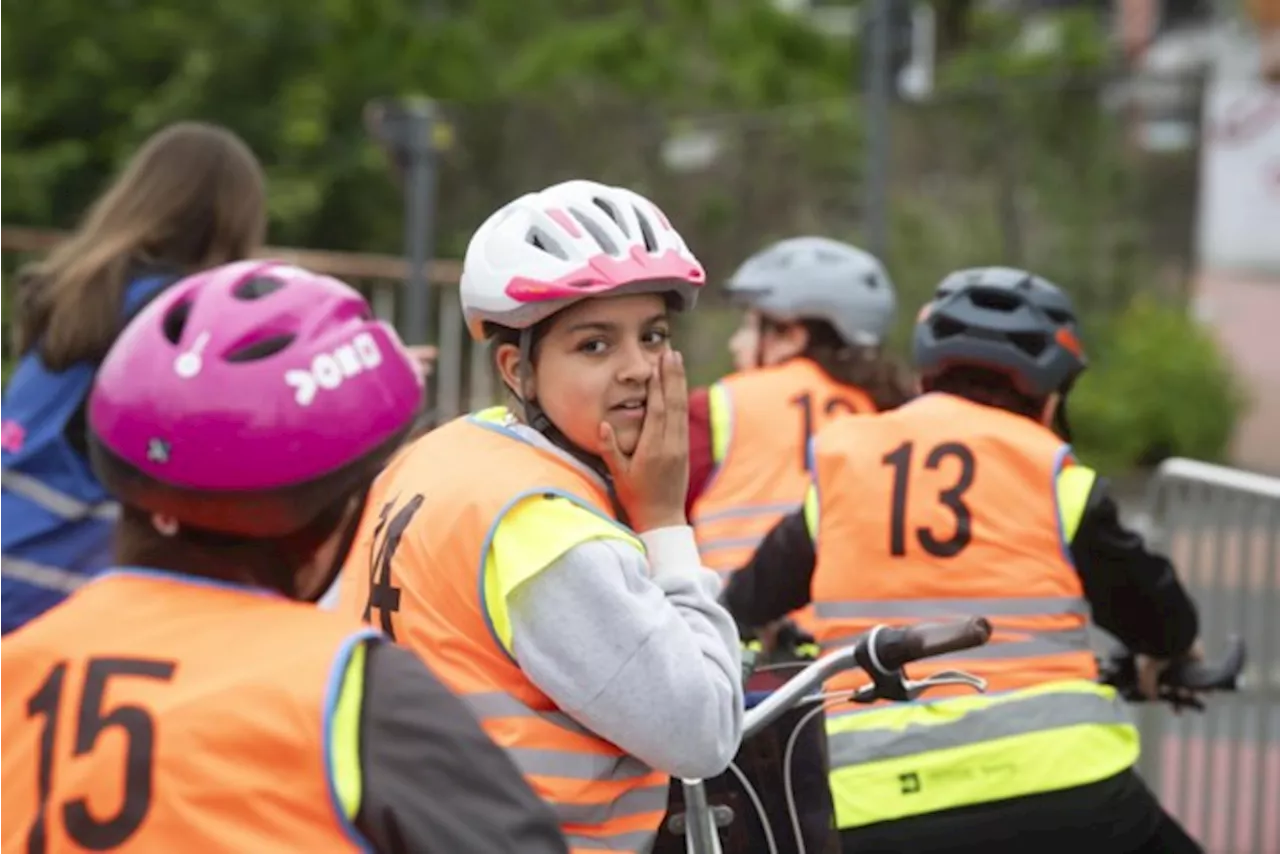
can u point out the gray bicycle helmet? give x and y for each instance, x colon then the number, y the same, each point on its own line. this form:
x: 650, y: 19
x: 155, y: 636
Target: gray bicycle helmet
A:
x: 816, y: 278
x: 1005, y: 320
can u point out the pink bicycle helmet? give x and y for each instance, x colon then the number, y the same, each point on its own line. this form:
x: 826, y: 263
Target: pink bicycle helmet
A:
x: 250, y: 398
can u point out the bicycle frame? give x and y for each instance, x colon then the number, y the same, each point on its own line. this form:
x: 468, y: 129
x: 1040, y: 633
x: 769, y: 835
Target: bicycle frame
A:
x: 702, y: 835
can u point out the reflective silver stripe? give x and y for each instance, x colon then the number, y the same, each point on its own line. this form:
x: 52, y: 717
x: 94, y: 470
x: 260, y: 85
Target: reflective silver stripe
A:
x: 577, y: 766
x: 50, y: 577
x: 56, y: 501
x: 634, y: 841
x: 729, y: 543
x: 635, y: 802
x: 1001, y: 720
x: 498, y: 705
x: 1027, y: 606
x: 1042, y: 643
x: 1037, y: 644
x: 746, y: 512
x: 567, y: 764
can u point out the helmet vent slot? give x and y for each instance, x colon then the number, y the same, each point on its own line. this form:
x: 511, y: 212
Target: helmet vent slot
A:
x: 257, y: 288
x: 176, y: 321
x: 539, y: 239
x: 261, y: 349
x: 945, y: 327
x: 597, y: 233
x: 1031, y: 343
x: 646, y: 231
x: 611, y: 212
x: 995, y: 300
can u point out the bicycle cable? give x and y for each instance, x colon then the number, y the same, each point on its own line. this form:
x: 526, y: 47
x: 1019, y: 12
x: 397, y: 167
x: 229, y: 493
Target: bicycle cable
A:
x: 758, y: 804
x: 824, y: 701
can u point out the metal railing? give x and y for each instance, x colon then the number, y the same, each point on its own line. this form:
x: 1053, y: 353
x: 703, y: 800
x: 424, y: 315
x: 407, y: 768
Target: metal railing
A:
x: 464, y: 378
x: 1219, y: 772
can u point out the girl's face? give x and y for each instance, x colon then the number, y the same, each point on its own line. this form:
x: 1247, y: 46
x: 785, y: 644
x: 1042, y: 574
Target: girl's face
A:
x: 759, y: 345
x: 594, y: 364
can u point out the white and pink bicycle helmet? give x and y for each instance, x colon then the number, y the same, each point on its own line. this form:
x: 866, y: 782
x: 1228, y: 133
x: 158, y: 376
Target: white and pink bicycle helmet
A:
x: 544, y: 251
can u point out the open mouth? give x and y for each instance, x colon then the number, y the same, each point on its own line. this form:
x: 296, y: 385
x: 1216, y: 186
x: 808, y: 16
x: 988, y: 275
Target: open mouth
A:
x: 630, y: 406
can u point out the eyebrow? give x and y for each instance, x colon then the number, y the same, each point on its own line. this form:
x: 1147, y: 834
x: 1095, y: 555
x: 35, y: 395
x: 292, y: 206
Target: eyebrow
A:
x: 602, y: 326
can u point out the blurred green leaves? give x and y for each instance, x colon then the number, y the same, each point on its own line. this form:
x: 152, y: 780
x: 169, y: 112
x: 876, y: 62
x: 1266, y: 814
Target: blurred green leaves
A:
x: 1160, y: 387
x: 84, y: 82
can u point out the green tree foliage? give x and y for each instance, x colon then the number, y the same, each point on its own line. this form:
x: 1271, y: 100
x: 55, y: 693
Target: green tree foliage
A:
x: 1160, y: 387
x: 84, y: 82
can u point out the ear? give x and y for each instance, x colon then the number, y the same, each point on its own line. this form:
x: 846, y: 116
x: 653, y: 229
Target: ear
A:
x: 507, y: 361
x: 792, y: 339
x: 165, y: 525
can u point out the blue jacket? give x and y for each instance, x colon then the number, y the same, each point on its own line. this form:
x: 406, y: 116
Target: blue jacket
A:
x: 58, y: 520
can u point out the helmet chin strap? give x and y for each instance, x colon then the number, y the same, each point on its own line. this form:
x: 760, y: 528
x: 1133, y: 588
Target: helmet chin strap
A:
x: 1061, y: 426
x: 533, y: 414
x: 536, y: 418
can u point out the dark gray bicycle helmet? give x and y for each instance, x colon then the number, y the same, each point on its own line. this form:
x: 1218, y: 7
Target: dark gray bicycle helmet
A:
x: 817, y: 278
x: 1005, y: 320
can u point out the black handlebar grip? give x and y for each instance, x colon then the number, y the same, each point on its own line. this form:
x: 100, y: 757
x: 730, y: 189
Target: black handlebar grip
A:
x: 940, y: 638
x: 894, y: 648
x: 1205, y: 675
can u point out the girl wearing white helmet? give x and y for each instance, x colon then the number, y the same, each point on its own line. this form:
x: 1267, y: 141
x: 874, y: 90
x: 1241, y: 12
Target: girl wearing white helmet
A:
x: 816, y: 315
x: 538, y: 556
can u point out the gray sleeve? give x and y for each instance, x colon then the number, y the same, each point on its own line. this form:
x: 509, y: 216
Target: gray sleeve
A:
x: 638, y: 650
x: 433, y: 781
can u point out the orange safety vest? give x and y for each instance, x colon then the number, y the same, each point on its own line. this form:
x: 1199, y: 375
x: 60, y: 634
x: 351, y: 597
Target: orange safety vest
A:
x: 422, y: 569
x: 946, y: 508
x: 1266, y: 13
x: 941, y: 509
x: 155, y: 713
x: 761, y: 423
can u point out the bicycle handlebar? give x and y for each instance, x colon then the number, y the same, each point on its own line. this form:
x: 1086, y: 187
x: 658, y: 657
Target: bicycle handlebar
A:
x: 1120, y: 670
x: 1222, y: 675
x: 882, y: 652
x: 888, y: 650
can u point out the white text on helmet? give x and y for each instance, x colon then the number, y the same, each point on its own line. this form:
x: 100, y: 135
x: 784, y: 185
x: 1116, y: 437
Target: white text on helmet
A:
x: 330, y: 370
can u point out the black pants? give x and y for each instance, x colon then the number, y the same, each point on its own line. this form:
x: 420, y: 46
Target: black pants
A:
x: 1118, y: 815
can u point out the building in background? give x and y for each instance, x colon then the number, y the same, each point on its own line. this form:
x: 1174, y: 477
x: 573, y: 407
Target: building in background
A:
x: 1238, y: 289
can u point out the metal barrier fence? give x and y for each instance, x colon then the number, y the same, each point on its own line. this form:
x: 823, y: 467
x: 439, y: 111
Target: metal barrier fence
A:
x: 1219, y: 772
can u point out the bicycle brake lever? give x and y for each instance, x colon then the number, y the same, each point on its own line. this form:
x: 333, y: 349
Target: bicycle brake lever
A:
x: 978, y: 683
x: 911, y: 689
x: 917, y: 687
